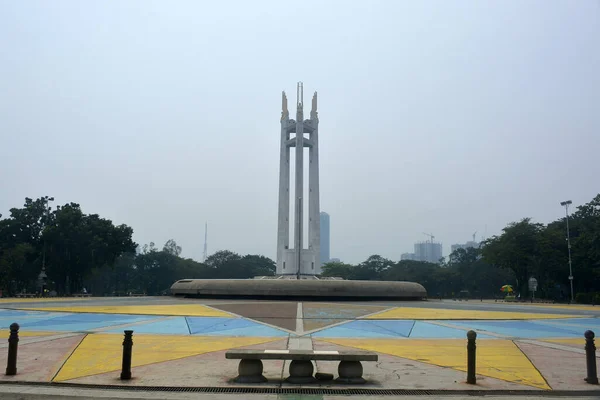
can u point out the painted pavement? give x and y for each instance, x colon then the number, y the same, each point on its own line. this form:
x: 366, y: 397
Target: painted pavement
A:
x: 421, y: 346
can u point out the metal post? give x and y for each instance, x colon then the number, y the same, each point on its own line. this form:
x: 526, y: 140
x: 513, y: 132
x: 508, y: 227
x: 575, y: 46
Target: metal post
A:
x: 590, y: 358
x: 13, y: 345
x: 471, y: 359
x: 47, y: 210
x: 570, y: 263
x: 566, y: 205
x: 127, y: 346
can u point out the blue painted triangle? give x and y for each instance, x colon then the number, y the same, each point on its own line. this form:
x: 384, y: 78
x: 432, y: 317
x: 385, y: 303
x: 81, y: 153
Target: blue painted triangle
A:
x: 256, y: 330
x: 426, y: 330
x: 83, y: 322
x: 341, y: 331
x: 171, y: 326
x: 369, y: 326
x: 26, y: 318
x: 580, y: 324
x: 521, y: 329
x: 230, y: 327
x: 398, y: 326
x: 215, y: 324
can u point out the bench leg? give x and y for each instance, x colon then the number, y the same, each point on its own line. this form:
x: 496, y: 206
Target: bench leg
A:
x: 301, y: 372
x: 250, y: 371
x: 350, y: 372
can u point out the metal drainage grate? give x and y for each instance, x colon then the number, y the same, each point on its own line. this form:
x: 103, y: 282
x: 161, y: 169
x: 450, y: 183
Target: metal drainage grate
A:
x: 315, y: 391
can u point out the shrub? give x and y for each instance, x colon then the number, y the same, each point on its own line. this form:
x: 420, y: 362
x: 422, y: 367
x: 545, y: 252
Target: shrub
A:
x: 588, y: 298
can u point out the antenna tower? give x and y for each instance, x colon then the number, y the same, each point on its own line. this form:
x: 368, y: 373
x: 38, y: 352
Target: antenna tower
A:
x: 205, y: 254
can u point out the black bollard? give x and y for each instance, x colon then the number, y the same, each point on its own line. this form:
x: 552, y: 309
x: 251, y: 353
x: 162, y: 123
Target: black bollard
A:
x: 13, y: 345
x: 127, y: 346
x: 590, y: 358
x: 471, y: 365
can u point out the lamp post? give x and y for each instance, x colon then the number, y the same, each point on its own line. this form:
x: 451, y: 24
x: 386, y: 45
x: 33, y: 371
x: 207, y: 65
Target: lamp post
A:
x: 47, y: 210
x: 42, y: 280
x: 42, y: 277
x: 566, y: 205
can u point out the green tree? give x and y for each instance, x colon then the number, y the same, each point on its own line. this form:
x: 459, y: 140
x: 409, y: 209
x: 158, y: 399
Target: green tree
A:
x: 172, y: 248
x: 155, y: 272
x: 338, y: 269
x: 371, y: 268
x: 224, y: 264
x: 258, y: 265
x: 585, y: 240
x: 78, y: 243
x: 16, y: 266
x: 516, y: 249
x: 21, y: 244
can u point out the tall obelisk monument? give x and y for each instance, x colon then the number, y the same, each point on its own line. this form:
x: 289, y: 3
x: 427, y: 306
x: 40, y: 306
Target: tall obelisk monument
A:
x: 296, y: 260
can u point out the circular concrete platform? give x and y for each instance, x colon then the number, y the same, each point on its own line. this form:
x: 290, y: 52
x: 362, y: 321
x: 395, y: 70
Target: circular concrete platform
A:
x: 284, y: 288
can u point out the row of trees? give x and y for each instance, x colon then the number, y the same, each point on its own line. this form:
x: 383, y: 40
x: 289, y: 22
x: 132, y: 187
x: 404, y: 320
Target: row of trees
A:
x: 465, y: 274
x: 76, y: 251
x: 523, y: 250
x: 152, y: 271
x: 79, y: 250
x: 67, y: 243
x: 533, y: 249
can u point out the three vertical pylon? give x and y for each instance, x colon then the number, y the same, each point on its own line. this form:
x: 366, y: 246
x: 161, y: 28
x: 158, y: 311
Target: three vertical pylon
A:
x: 299, y: 261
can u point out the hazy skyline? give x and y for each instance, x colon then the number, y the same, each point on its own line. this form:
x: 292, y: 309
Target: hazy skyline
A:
x: 435, y: 116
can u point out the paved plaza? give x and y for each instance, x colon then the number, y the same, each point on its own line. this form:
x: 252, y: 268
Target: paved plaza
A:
x: 182, y: 342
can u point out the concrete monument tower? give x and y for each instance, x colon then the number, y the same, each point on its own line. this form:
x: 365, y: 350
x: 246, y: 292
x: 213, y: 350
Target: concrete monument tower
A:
x: 296, y: 260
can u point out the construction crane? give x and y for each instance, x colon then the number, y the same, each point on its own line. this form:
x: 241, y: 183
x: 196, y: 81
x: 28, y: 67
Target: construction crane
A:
x: 430, y: 235
x: 427, y: 249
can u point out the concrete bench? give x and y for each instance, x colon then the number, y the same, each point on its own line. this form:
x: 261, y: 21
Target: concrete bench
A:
x: 26, y: 295
x: 301, y: 368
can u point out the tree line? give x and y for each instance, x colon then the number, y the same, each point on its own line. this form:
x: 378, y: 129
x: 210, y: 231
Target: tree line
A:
x: 523, y: 250
x: 464, y: 275
x: 65, y: 251
x: 77, y: 250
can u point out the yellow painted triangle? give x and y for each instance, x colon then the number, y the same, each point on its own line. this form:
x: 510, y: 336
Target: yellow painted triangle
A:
x: 500, y: 359
x: 439, y: 313
x: 188, y: 310
x: 42, y: 299
x: 100, y: 353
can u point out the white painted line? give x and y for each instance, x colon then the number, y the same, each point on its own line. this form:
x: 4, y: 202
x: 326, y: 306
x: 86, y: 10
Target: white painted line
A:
x: 133, y: 324
x: 277, y: 351
x: 299, y: 319
x: 554, y: 346
x: 463, y: 328
x: 301, y: 343
x: 325, y: 352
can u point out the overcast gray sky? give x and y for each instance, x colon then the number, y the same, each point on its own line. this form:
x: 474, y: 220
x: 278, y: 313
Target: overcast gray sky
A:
x: 435, y: 116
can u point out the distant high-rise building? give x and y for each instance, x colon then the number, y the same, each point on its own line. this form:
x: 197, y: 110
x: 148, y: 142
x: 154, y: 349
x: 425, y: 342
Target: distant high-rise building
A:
x: 407, y: 256
x: 428, y: 251
x: 465, y: 246
x: 325, y: 236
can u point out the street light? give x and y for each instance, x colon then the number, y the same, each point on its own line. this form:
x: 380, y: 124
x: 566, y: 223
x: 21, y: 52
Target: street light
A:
x: 42, y: 280
x: 47, y: 210
x: 566, y: 205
